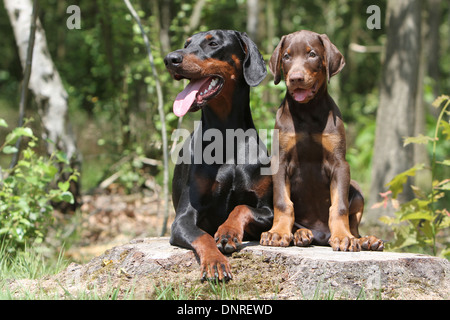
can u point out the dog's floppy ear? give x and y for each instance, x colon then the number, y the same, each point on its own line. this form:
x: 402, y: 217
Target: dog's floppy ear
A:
x: 335, y: 60
x: 254, y: 66
x: 275, y: 61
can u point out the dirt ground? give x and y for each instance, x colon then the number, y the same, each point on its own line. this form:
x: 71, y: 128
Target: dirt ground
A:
x: 112, y: 218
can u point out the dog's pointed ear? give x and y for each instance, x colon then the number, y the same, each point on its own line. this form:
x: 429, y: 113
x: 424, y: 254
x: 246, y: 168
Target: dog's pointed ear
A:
x: 275, y: 61
x: 254, y: 67
x: 335, y: 60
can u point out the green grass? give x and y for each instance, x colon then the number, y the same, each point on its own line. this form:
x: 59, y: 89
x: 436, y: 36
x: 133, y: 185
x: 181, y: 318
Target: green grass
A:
x: 33, y: 265
x: 209, y: 290
x: 29, y: 264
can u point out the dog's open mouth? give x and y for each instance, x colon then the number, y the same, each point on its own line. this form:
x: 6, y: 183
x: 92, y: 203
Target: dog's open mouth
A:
x: 303, y: 95
x: 196, y: 94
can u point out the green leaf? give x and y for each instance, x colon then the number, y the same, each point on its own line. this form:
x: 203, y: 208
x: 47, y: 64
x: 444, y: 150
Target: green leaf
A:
x: 428, y: 230
x: 24, y: 163
x: 396, y: 184
x: 32, y: 180
x: 9, y: 150
x: 18, y: 132
x: 50, y: 170
x: 62, y: 157
x: 445, y: 129
x: 419, y: 215
x: 3, y: 123
x: 25, y: 132
x: 445, y: 223
x: 440, y: 100
x: 64, y: 186
x: 445, y: 162
x: 67, y: 197
x: 387, y: 220
x: 443, y: 185
x: 420, y: 139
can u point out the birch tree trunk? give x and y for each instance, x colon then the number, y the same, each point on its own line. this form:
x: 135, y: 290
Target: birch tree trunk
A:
x: 45, y: 82
x: 252, y: 19
x: 398, y: 94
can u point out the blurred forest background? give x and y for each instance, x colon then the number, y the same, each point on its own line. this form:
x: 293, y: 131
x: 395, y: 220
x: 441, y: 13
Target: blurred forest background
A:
x: 393, y: 73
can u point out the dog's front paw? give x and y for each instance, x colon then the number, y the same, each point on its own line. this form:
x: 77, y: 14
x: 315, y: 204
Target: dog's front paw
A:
x: 372, y: 243
x: 303, y: 237
x: 276, y: 239
x: 216, y: 266
x: 344, y: 243
x: 228, y: 239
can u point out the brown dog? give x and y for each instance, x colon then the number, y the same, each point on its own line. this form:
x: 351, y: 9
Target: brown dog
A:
x: 314, y: 197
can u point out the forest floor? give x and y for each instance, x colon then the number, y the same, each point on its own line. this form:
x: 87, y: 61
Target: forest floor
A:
x: 111, y: 218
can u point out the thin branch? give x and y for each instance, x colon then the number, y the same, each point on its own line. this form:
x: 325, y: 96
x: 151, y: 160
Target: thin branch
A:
x: 161, y: 115
x: 365, y: 49
x: 196, y: 16
x: 26, y: 77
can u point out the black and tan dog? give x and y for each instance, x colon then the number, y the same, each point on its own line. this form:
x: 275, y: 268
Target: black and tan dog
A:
x: 315, y: 201
x: 219, y: 204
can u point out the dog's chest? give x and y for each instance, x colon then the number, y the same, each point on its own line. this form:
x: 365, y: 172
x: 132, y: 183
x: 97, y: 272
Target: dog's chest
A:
x: 306, y: 152
x: 228, y: 187
x: 304, y: 146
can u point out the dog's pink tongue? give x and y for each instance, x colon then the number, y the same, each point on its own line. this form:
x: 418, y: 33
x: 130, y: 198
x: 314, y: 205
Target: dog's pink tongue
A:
x: 301, y: 94
x: 186, y: 98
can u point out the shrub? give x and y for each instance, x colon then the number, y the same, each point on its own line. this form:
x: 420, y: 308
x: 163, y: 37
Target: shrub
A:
x: 424, y: 221
x: 27, y: 190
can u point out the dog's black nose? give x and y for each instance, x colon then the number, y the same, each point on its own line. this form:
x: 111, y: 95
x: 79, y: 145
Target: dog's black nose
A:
x: 173, y: 59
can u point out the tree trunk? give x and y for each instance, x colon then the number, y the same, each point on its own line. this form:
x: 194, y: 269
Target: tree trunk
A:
x: 433, y: 44
x: 422, y: 178
x: 252, y: 19
x: 194, y: 21
x: 45, y: 82
x: 163, y: 21
x: 396, y: 112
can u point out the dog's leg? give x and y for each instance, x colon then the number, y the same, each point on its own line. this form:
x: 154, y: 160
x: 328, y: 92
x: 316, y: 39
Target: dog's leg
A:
x: 341, y: 238
x: 230, y: 234
x: 356, y: 209
x: 280, y: 235
x: 185, y: 233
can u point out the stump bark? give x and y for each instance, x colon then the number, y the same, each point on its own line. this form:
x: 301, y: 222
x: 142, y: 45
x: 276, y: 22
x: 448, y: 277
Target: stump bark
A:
x: 261, y: 272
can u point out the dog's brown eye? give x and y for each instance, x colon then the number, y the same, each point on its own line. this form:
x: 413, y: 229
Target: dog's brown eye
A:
x: 213, y: 44
x: 312, y: 54
x: 286, y: 56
